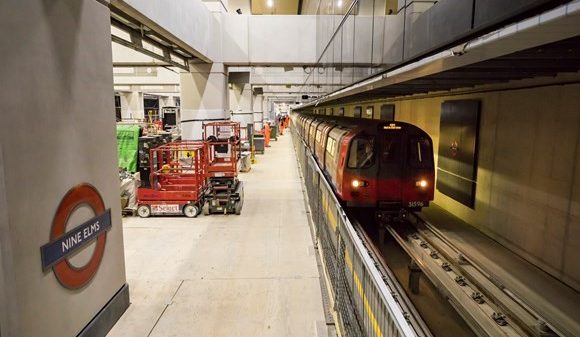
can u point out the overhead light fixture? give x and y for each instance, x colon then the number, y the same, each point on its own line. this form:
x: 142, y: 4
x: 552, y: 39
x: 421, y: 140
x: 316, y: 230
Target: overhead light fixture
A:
x: 339, y: 3
x: 270, y: 3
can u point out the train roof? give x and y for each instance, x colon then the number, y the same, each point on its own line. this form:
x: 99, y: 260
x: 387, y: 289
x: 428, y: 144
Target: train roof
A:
x: 363, y: 123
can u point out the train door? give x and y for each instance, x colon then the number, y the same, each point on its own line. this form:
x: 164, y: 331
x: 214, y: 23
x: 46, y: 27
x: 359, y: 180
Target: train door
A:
x: 391, y: 158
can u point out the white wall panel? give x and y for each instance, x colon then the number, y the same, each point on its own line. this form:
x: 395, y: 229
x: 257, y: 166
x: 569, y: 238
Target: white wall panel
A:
x: 190, y: 21
x: 348, y: 36
x: 235, y: 38
x: 363, y: 29
x: 393, y: 39
x: 282, y: 39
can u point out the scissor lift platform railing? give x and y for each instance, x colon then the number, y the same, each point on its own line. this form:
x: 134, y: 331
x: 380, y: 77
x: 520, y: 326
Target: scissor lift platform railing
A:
x: 178, y: 180
x: 225, y: 194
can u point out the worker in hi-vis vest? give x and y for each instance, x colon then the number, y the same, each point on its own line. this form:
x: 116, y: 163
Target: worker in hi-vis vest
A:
x: 267, y: 131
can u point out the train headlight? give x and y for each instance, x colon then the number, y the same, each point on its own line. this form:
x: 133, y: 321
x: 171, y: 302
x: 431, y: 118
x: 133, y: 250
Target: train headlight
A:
x: 359, y: 183
x: 421, y: 183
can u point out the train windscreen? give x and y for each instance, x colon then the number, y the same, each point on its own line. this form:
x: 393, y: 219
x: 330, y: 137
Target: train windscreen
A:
x: 420, y: 153
x: 392, y: 149
x: 361, y: 152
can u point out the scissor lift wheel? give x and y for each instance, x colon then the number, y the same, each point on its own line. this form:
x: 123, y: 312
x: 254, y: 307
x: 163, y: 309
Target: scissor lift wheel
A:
x: 190, y: 210
x: 144, y: 211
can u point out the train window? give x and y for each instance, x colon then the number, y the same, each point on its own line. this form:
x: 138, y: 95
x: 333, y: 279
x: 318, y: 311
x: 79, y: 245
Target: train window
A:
x: 392, y: 150
x: 318, y: 135
x: 361, y: 153
x: 341, y: 111
x: 330, y: 146
x: 420, y: 151
x: 369, y: 112
x: 357, y: 112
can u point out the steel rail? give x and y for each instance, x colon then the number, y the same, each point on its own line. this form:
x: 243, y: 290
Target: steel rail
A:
x: 512, y: 305
x: 483, y: 316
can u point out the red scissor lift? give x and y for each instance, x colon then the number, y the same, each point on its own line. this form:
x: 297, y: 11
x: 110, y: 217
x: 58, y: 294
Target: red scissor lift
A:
x: 225, y: 193
x: 178, y: 180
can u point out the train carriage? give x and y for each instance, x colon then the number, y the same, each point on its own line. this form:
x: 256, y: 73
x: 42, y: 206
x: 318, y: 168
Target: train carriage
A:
x: 372, y: 163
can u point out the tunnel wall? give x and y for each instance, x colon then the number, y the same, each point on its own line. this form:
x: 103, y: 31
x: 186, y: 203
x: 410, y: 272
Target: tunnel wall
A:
x: 528, y: 178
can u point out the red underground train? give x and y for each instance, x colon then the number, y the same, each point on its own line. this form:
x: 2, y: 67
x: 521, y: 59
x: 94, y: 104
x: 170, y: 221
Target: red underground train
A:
x: 386, y: 165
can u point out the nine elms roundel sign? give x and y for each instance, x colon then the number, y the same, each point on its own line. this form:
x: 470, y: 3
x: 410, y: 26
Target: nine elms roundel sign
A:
x: 63, y: 244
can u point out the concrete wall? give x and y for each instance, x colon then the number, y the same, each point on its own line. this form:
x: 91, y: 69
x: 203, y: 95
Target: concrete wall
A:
x: 528, y: 180
x: 186, y: 20
x: 57, y: 130
x: 231, y: 38
x: 268, y: 39
x: 244, y: 5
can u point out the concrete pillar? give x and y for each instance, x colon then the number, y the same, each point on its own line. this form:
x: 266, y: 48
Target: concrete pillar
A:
x: 58, y: 170
x: 241, y: 103
x: 258, y: 111
x: 125, y: 113
x: 136, y: 105
x: 241, y: 97
x: 203, y: 98
x: 270, y: 106
x: 169, y: 101
x: 166, y: 101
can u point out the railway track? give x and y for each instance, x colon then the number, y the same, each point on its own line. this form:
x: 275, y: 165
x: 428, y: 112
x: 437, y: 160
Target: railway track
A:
x: 484, y: 303
x: 371, y: 299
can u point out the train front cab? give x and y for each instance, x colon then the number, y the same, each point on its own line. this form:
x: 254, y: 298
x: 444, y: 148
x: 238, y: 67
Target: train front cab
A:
x: 389, y: 170
x: 406, y: 164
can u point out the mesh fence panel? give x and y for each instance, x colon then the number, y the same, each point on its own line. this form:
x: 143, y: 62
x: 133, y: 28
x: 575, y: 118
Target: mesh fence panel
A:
x: 356, y: 296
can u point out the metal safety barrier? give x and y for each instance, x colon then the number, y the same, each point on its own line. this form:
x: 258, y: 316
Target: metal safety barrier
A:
x: 364, y: 304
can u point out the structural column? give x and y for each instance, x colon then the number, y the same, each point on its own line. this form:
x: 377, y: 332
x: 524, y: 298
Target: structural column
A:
x: 136, y: 108
x: 125, y: 112
x: 241, y: 97
x: 270, y: 113
x: 258, y: 111
x: 62, y: 265
x: 203, y: 98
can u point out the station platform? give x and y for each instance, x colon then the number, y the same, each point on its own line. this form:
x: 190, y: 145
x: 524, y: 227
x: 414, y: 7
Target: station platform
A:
x: 254, y: 274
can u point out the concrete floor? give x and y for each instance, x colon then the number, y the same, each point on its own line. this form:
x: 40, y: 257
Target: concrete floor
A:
x: 248, y: 275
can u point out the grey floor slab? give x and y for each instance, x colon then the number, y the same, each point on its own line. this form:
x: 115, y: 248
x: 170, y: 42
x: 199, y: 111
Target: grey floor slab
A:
x: 248, y: 275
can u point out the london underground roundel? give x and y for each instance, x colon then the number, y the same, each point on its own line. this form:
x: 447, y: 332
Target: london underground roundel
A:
x: 64, y: 244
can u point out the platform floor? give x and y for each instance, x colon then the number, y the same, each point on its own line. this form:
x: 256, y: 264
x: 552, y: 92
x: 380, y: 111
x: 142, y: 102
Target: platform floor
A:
x: 249, y: 275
